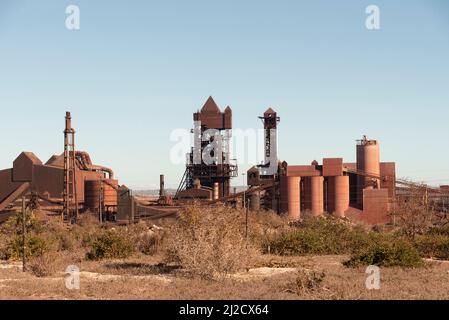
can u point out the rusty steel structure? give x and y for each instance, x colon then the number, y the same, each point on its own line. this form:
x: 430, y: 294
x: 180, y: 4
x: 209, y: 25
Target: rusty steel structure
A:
x: 270, y: 122
x: 209, y: 164
x: 365, y: 189
x: 66, y: 183
x: 70, y: 208
x: 70, y: 184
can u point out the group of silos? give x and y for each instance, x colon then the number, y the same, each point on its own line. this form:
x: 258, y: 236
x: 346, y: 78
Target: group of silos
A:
x: 332, y: 193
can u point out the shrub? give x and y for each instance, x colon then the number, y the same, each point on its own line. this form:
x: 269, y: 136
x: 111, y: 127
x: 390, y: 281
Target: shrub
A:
x: 110, y: 244
x: 433, y: 246
x: 65, y: 242
x: 44, y: 265
x: 147, y: 238
x: 308, y: 280
x: 11, y: 246
x: 34, y: 247
x: 387, y: 254
x: 210, y: 242
x: 321, y: 236
x: 441, y: 230
x: 149, y: 242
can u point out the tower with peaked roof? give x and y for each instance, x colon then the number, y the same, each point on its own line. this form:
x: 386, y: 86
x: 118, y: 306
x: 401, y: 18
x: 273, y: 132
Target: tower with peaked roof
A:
x: 209, y: 161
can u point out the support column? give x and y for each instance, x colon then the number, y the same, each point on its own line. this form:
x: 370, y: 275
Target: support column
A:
x: 317, y: 184
x: 294, y: 193
x: 341, y: 184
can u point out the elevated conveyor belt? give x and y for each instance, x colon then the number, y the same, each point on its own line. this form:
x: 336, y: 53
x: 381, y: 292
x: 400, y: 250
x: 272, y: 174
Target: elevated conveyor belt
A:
x: 14, y: 195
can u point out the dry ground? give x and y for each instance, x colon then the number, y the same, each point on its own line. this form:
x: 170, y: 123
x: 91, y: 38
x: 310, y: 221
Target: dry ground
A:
x: 272, y: 278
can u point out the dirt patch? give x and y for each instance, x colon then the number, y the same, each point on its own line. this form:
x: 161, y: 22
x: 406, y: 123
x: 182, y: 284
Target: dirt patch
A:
x: 120, y: 280
x: 262, y: 273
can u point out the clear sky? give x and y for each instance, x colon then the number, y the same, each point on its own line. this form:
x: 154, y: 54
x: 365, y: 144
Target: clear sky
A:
x: 136, y: 70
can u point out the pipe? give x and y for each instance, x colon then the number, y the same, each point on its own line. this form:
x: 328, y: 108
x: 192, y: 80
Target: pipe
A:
x: 86, y: 164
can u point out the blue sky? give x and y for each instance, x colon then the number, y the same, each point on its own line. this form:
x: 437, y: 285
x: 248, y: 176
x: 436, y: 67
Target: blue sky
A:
x: 136, y: 70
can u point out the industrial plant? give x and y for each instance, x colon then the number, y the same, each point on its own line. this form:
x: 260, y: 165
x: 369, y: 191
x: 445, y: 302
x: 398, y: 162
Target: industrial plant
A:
x: 70, y: 184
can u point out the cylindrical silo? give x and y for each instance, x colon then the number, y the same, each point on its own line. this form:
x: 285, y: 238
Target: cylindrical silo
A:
x: 368, y: 164
x: 294, y: 193
x: 341, y: 194
x: 101, y: 193
x: 316, y: 187
x: 92, y: 195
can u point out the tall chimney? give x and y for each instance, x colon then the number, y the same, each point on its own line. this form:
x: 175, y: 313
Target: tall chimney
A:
x: 162, y: 185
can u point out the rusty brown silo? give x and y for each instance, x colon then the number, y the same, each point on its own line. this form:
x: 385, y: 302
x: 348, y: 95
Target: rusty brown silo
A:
x: 368, y: 163
x: 92, y: 195
x: 341, y: 195
x: 294, y: 193
x: 104, y: 193
x: 316, y: 186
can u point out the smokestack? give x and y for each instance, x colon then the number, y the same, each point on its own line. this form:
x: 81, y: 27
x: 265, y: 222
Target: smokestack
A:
x: 68, y: 121
x: 162, y: 185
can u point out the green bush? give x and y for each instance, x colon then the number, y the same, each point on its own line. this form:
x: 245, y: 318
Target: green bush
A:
x: 110, y: 244
x: 34, y: 247
x: 321, y: 236
x: 433, y: 246
x: 387, y: 254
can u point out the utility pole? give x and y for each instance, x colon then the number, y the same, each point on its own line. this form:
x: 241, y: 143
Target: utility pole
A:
x: 23, y: 235
x: 246, y: 211
x: 246, y: 227
x: 100, y: 205
x: 244, y: 191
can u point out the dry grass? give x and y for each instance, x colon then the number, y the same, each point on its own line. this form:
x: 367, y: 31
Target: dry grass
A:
x: 210, y: 242
x: 184, y: 260
x: 339, y: 283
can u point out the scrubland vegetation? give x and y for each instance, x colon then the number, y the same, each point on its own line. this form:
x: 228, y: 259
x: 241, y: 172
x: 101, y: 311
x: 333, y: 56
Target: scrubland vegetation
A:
x: 216, y: 246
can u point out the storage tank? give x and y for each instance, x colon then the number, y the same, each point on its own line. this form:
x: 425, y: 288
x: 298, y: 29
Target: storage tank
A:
x: 341, y: 195
x: 316, y: 187
x: 368, y: 162
x: 92, y: 195
x: 97, y: 191
x: 294, y: 193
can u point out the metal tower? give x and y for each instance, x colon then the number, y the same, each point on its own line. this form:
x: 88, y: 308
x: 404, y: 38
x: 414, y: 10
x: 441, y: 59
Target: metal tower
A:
x: 70, y: 209
x: 270, y: 123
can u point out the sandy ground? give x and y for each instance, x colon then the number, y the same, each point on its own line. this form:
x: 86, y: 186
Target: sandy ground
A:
x: 273, y: 278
